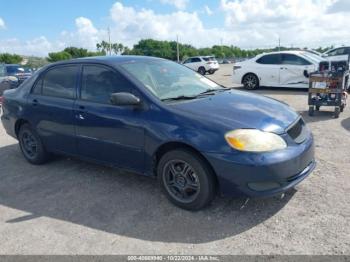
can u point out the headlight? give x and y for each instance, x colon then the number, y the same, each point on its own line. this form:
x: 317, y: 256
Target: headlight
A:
x: 253, y: 140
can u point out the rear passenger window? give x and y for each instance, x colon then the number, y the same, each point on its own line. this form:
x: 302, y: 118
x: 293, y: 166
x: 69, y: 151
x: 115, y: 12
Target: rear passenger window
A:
x: 100, y: 82
x: 289, y: 59
x: 38, y: 87
x: 269, y: 60
x: 60, y: 82
x: 195, y: 60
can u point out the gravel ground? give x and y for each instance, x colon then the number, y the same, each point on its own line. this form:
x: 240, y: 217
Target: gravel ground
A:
x: 72, y: 207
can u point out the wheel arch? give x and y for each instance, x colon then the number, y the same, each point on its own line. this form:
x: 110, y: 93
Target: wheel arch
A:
x: 250, y: 73
x: 18, y: 125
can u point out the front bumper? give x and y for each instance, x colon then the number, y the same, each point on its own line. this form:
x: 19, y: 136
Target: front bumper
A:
x: 266, y: 174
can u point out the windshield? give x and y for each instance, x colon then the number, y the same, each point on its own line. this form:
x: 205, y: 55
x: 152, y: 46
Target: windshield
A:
x: 313, y: 57
x: 167, y: 80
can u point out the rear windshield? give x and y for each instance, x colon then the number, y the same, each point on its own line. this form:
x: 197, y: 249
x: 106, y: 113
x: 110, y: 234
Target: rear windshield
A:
x: 211, y: 58
x: 11, y: 70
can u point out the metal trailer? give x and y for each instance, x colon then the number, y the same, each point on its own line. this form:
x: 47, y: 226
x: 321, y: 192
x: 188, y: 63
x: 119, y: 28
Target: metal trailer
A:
x: 328, y: 88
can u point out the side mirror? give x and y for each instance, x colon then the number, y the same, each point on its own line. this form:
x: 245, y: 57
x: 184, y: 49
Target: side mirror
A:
x: 306, y: 74
x: 124, y: 99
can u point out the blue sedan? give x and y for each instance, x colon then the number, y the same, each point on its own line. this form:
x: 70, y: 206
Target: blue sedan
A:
x: 161, y: 119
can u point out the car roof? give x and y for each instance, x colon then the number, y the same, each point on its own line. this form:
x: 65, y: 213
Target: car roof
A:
x: 109, y: 59
x: 335, y: 48
x: 201, y: 56
x: 294, y: 52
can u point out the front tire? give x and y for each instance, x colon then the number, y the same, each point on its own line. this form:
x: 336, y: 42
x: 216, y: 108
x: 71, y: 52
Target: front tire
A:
x: 186, y: 179
x: 250, y: 82
x: 31, y: 145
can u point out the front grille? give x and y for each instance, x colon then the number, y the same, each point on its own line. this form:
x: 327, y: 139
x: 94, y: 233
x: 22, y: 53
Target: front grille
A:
x: 297, y: 131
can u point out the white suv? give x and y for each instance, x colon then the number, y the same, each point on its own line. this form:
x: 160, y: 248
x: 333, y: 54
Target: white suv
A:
x: 202, y: 64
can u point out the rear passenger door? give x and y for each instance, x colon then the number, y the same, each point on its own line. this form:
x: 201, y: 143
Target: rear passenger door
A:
x: 268, y: 69
x: 105, y: 132
x: 51, y: 107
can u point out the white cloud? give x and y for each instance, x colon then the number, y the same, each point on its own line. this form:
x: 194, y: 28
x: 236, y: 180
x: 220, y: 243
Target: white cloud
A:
x: 131, y: 25
x: 298, y: 22
x: 37, y: 46
x: 248, y: 23
x: 179, y: 4
x: 207, y: 10
x: 2, y: 24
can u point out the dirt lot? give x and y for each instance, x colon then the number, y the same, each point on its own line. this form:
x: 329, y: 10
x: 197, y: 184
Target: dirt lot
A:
x: 72, y: 207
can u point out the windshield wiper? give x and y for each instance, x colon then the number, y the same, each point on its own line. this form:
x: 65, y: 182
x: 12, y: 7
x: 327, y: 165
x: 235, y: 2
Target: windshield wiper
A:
x: 179, y: 98
x: 213, y: 91
x: 207, y: 92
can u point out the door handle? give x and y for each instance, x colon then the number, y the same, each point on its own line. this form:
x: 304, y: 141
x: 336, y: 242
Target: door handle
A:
x: 35, y: 102
x: 80, y: 112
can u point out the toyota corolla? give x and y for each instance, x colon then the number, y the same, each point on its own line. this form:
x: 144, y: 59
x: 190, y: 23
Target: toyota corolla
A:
x: 161, y: 119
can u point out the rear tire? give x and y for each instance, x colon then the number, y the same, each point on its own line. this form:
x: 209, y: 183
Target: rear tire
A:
x: 311, y: 110
x: 336, y: 112
x: 31, y: 145
x: 186, y: 179
x: 211, y: 72
x: 250, y: 82
x: 201, y: 70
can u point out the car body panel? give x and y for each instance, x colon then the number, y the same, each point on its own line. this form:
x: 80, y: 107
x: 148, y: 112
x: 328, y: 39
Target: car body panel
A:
x: 211, y: 65
x: 277, y: 75
x: 130, y: 137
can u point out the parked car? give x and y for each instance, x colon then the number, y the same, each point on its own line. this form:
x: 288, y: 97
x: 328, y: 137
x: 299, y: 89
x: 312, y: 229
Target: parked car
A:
x: 6, y: 81
x: 158, y: 118
x: 11, y: 75
x: 276, y: 69
x: 339, y: 51
x: 202, y: 64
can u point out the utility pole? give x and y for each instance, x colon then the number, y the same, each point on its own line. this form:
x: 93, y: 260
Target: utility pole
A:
x: 279, y: 44
x: 109, y: 41
x: 177, y: 48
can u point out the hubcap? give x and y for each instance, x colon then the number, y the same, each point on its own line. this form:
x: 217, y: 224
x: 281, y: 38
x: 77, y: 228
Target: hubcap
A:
x: 250, y: 81
x: 181, y: 181
x: 29, y: 144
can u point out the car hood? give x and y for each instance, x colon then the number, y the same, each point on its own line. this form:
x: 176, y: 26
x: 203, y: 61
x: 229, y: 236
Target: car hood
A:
x: 237, y: 109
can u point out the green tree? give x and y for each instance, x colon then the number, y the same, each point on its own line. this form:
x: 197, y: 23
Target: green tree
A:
x: 10, y: 58
x: 59, y: 56
x: 76, y: 52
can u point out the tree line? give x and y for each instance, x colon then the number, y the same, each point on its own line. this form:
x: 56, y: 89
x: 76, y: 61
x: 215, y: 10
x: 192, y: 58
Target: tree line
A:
x: 146, y: 47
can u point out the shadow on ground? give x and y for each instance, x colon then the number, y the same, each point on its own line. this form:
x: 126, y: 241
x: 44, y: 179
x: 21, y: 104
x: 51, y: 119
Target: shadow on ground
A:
x: 346, y: 124
x: 318, y: 116
x: 120, y: 203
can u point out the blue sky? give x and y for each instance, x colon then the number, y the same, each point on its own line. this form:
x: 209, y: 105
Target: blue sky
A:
x: 49, y: 18
x: 41, y: 26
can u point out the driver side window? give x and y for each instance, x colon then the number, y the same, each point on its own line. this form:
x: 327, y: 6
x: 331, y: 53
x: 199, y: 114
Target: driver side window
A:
x: 99, y: 82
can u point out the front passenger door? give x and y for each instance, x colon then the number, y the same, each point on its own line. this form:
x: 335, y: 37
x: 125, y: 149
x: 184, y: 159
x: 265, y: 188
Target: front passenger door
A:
x: 105, y: 132
x: 293, y: 69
